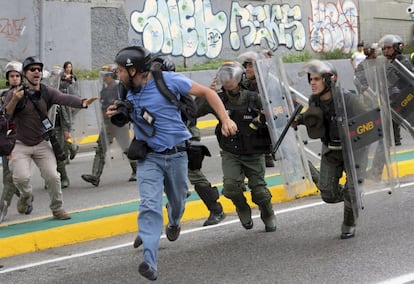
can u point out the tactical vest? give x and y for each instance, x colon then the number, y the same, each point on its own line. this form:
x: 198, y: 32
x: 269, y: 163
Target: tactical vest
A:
x: 247, y: 140
x: 331, y: 136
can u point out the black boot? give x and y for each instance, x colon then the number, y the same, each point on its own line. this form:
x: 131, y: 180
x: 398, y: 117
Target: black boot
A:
x: 91, y: 179
x: 209, y: 195
x: 348, y: 225
x: 245, y: 216
x: 268, y: 216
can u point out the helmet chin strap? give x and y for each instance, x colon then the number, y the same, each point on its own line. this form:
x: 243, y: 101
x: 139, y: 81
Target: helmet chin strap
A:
x: 33, y: 84
x: 137, y: 89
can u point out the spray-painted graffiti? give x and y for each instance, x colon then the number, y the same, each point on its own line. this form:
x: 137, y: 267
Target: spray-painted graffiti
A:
x: 183, y: 27
x: 333, y: 26
x: 275, y: 24
x: 189, y: 27
x: 410, y: 10
x: 12, y: 28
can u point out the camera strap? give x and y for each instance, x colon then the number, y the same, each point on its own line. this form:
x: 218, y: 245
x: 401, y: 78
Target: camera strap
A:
x: 41, y: 115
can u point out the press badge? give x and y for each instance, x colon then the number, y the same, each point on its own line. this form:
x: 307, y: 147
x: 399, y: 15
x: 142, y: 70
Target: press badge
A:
x: 147, y: 116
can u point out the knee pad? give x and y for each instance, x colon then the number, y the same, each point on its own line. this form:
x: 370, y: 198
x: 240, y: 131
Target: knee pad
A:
x: 261, y: 195
x: 231, y: 190
x: 333, y: 196
x: 207, y: 192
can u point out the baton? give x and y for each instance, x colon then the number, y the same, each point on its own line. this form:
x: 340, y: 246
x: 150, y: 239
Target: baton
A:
x: 297, y: 110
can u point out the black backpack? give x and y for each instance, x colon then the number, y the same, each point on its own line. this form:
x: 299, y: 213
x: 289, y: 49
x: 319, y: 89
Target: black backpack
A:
x: 185, y: 104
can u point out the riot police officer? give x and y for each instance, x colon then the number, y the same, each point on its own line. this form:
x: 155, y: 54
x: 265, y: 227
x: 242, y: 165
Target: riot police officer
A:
x: 109, y: 94
x: 249, y: 82
x: 320, y: 121
x: 392, y: 48
x: 13, y: 75
x: 243, y: 154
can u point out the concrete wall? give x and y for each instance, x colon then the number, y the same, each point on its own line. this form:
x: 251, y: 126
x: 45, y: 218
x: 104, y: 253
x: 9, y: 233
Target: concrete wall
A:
x: 90, y: 32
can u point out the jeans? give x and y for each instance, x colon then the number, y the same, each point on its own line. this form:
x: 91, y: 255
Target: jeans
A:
x: 159, y: 173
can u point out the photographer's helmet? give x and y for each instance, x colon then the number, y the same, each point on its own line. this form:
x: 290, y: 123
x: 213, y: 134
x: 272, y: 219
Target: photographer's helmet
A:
x: 228, y: 71
x: 30, y: 61
x: 108, y: 69
x: 324, y: 68
x: 12, y: 66
x: 392, y: 40
x: 134, y: 56
x: 163, y: 63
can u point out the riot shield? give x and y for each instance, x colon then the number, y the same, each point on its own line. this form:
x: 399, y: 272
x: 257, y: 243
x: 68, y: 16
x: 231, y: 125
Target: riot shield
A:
x: 108, y: 92
x: 53, y: 80
x: 401, y: 91
x: 278, y: 108
x: 84, y: 126
x: 364, y: 124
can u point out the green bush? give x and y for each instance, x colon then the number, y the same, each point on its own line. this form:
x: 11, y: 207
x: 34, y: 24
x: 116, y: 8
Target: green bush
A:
x: 210, y: 64
x: 336, y: 54
x: 3, y: 83
x: 297, y: 57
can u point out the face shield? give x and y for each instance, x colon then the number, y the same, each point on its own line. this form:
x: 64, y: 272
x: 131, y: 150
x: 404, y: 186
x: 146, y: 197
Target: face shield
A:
x: 389, y: 40
x: 54, y: 76
x: 314, y: 66
x: 230, y: 74
x: 248, y: 57
x: 107, y: 75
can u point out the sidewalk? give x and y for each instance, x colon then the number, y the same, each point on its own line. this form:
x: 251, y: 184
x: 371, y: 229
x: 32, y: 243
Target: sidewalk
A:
x: 105, y: 221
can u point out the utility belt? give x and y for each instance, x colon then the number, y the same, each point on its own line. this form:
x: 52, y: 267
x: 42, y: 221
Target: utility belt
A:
x: 180, y: 147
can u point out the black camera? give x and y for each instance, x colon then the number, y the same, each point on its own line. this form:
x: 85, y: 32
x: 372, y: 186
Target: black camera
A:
x: 30, y: 93
x: 50, y: 135
x: 121, y: 116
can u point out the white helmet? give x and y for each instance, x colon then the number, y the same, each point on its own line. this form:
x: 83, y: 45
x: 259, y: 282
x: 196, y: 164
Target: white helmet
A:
x: 12, y: 66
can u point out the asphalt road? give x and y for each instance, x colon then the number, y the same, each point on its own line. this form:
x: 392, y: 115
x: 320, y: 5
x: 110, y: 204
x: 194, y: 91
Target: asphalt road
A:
x: 305, y: 249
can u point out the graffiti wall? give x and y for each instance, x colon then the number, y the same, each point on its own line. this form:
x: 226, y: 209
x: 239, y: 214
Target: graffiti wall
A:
x: 17, y: 30
x: 208, y: 27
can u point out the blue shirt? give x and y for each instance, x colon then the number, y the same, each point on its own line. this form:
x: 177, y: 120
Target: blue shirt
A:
x: 169, y: 128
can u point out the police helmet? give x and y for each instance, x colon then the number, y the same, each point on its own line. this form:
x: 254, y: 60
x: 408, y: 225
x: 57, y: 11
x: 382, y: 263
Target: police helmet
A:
x: 134, y: 56
x: 392, y: 40
x: 56, y: 70
x: 324, y: 68
x: 109, y: 69
x: 229, y: 70
x: 30, y: 61
x: 12, y: 66
x: 248, y: 57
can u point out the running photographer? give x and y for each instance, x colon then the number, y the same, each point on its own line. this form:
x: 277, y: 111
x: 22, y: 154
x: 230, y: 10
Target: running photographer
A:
x: 28, y: 105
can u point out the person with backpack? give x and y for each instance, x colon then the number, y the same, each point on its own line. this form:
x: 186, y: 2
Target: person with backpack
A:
x: 13, y: 75
x: 207, y: 193
x: 243, y: 155
x: 108, y: 132
x: 160, y: 144
x: 35, y: 136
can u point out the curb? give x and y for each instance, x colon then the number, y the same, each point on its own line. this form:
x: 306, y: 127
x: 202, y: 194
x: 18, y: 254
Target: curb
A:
x: 110, y: 220
x: 107, y: 221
